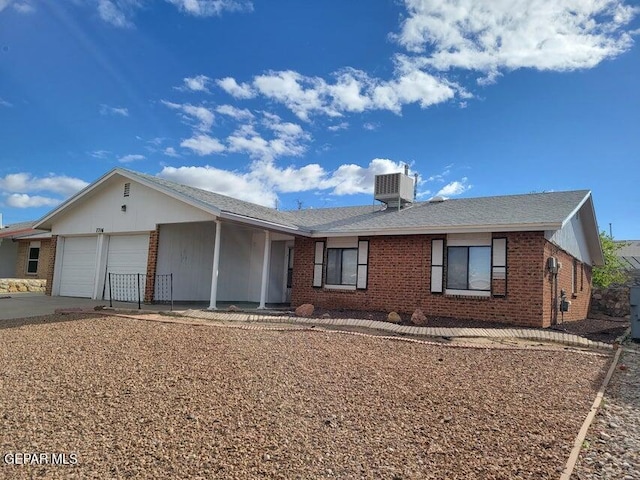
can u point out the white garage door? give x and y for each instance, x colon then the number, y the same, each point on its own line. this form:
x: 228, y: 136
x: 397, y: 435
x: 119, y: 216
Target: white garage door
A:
x: 127, y: 255
x: 78, y: 272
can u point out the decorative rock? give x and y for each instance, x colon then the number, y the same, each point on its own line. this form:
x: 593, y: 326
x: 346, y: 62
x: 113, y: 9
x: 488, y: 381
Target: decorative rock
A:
x: 419, y: 318
x: 326, y: 315
x: 232, y: 308
x: 305, y: 310
x: 393, y: 317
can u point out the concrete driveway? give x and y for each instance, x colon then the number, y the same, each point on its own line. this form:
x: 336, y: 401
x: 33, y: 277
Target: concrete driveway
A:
x: 21, y: 305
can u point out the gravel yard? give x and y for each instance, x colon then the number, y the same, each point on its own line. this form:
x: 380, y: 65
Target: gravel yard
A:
x: 143, y: 399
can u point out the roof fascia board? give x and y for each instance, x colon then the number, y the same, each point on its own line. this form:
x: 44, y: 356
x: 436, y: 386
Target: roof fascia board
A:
x: 596, y: 247
x: 439, y: 230
x: 577, y: 209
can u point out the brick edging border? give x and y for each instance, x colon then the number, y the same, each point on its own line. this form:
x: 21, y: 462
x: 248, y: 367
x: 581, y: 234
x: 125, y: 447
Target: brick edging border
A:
x: 582, y: 434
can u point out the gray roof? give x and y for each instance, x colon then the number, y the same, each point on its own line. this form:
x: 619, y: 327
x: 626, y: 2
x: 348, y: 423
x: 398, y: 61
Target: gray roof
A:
x: 630, y: 254
x: 534, y: 210
x: 22, y: 230
x: 218, y: 201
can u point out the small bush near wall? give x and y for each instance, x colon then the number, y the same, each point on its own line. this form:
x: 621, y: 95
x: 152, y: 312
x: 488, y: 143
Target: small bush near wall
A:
x: 15, y: 285
x: 612, y: 301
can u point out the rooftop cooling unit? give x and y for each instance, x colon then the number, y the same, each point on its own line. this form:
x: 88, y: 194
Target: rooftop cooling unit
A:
x: 394, y: 189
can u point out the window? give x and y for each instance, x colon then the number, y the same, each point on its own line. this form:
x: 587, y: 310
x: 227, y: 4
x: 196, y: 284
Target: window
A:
x: 342, y: 266
x: 34, y: 256
x: 574, y: 277
x: 469, y: 268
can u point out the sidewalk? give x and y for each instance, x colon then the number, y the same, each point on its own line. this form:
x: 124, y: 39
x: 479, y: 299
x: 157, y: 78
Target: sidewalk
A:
x: 495, y: 333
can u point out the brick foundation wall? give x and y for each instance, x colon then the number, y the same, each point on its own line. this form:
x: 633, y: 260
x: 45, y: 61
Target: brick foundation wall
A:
x: 399, y: 279
x: 580, y: 298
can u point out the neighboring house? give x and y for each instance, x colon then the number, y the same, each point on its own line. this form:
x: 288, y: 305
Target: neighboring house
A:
x: 630, y: 255
x: 24, y: 252
x: 503, y: 259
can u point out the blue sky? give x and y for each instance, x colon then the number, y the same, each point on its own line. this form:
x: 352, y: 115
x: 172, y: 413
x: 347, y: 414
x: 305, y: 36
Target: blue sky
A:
x: 302, y: 103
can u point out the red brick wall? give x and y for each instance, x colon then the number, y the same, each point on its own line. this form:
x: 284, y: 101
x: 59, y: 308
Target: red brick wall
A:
x: 45, y: 261
x: 52, y: 257
x: 152, y: 261
x: 580, y: 299
x: 399, y: 279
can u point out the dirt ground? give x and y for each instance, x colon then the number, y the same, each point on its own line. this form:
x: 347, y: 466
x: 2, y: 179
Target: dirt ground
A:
x: 140, y: 399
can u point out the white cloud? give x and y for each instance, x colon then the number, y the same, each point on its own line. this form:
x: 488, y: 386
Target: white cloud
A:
x: 4, y: 103
x: 235, y: 89
x: 23, y: 200
x: 506, y: 35
x: 131, y: 158
x: 289, y: 139
x: 234, y: 112
x: 371, y: 126
x: 203, y: 144
x: 196, y: 84
x: 202, y: 116
x: 26, y: 183
x: 207, y: 8
x: 233, y: 184
x: 100, y: 153
x: 171, y: 152
x: 107, y: 110
x: 24, y: 7
x: 264, y: 179
x: 351, y: 179
x: 456, y: 187
x: 117, y: 12
x: 353, y: 91
x: 338, y: 126
x: 302, y: 95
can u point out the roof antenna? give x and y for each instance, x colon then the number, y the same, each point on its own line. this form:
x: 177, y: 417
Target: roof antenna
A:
x: 406, y: 169
x: 415, y: 186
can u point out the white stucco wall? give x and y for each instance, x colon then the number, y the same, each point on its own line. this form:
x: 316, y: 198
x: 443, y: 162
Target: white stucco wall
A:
x: 145, y: 208
x: 240, y: 271
x: 571, y: 238
x: 186, y: 250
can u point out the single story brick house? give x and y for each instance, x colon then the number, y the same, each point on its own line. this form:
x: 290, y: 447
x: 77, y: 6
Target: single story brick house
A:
x: 507, y: 258
x: 25, y: 252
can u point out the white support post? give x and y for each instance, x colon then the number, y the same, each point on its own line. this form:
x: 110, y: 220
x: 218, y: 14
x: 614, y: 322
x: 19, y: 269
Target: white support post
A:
x: 265, y: 269
x: 214, y: 273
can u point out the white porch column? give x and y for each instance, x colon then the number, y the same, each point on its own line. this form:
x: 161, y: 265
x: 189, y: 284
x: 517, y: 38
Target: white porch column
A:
x: 214, y: 273
x: 265, y: 269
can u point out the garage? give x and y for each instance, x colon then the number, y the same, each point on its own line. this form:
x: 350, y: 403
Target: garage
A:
x: 78, y: 269
x: 127, y: 254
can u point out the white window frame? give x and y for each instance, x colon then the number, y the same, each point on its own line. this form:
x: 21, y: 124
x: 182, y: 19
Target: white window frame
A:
x: 467, y: 240
x: 33, y: 245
